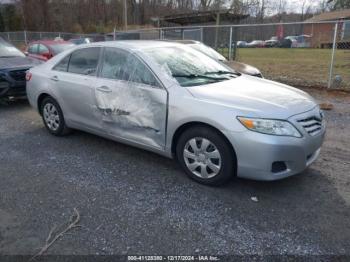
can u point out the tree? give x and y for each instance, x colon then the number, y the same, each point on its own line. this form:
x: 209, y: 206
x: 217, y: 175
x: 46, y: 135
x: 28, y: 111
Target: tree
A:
x: 204, y: 4
x: 2, y: 24
x: 11, y: 18
x: 339, y: 4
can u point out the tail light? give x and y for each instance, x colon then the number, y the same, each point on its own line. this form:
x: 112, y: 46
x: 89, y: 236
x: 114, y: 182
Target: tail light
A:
x: 28, y: 76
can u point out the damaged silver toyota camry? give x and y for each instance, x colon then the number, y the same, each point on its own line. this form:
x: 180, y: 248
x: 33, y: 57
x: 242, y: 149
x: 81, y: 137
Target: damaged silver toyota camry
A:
x: 173, y: 100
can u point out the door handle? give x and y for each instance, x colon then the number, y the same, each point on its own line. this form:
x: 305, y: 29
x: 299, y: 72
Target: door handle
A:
x: 54, y: 78
x: 104, y: 89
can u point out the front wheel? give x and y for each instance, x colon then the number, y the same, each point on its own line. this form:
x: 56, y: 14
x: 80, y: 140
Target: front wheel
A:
x: 53, y: 117
x: 206, y: 156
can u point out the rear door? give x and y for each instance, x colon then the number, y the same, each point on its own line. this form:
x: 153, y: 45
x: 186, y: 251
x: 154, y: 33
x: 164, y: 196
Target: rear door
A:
x: 131, y: 102
x: 74, y: 79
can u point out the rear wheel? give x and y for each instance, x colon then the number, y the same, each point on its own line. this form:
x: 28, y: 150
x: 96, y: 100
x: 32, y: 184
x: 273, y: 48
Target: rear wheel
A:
x: 206, y: 156
x: 53, y: 117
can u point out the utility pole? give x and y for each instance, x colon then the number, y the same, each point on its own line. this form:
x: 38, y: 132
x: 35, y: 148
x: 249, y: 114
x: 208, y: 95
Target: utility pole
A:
x: 125, y: 15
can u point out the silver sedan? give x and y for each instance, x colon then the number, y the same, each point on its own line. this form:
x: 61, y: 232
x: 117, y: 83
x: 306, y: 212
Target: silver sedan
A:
x: 173, y: 100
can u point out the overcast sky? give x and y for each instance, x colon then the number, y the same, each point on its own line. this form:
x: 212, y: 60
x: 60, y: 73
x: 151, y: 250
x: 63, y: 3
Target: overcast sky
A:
x: 298, y: 4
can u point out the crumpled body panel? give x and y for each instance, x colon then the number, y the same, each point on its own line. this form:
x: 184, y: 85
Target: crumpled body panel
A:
x: 133, y: 111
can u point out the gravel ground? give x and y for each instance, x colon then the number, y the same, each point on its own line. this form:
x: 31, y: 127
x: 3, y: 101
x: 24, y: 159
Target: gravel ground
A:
x: 135, y: 202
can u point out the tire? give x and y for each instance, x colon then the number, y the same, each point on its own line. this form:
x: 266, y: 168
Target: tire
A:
x: 53, y: 118
x: 206, y: 156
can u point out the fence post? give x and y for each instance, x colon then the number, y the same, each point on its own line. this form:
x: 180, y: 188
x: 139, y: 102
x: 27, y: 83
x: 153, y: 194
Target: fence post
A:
x: 114, y: 36
x: 202, y: 34
x: 234, y: 36
x: 160, y: 34
x: 8, y: 37
x: 230, y: 45
x: 330, y: 78
x: 25, y: 37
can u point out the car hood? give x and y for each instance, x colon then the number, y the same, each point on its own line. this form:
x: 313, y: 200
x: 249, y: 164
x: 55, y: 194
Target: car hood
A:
x: 17, y: 62
x: 256, y: 97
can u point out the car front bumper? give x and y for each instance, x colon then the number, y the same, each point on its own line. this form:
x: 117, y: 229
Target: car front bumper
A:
x: 257, y: 154
x: 16, y: 91
x: 11, y: 88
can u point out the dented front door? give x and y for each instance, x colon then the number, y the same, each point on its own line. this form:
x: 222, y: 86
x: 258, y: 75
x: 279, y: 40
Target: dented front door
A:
x: 130, y: 102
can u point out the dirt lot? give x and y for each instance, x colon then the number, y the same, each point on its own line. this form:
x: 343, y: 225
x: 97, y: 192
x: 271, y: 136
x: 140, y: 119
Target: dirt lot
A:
x: 135, y: 202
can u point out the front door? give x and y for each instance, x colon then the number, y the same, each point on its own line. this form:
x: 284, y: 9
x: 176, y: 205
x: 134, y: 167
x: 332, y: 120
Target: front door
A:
x: 130, y: 101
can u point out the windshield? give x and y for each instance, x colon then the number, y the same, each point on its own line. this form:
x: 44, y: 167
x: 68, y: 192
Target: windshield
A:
x: 208, y: 51
x: 58, y: 48
x: 8, y: 50
x: 190, y: 67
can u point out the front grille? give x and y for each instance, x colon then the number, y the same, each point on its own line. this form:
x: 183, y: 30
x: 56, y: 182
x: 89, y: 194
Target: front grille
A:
x: 18, y: 75
x: 312, y: 125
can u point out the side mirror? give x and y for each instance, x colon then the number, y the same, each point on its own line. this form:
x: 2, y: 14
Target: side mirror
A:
x: 26, y: 53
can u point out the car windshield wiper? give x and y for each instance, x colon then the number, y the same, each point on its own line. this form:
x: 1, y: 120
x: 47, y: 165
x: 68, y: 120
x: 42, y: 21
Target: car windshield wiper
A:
x: 198, y: 76
x: 221, y: 72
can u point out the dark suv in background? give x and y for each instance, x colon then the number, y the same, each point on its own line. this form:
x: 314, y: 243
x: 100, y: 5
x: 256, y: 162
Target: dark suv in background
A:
x: 13, y: 67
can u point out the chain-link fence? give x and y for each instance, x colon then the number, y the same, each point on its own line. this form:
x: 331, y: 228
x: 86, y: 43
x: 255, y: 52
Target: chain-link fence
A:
x: 21, y: 38
x: 299, y: 54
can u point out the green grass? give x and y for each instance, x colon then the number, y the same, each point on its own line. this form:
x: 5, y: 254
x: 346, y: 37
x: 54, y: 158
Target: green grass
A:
x: 297, y: 66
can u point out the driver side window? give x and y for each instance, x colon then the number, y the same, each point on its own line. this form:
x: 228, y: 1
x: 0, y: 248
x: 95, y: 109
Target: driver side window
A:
x: 43, y: 49
x: 33, y: 49
x: 121, y: 65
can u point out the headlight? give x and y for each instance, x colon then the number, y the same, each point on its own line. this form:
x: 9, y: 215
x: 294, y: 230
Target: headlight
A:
x: 270, y: 126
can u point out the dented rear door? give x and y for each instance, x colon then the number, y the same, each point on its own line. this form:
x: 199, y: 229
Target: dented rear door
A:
x: 130, y: 102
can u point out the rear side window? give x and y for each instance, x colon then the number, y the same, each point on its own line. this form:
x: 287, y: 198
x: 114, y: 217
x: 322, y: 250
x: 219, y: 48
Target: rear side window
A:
x: 84, y: 61
x: 62, y: 65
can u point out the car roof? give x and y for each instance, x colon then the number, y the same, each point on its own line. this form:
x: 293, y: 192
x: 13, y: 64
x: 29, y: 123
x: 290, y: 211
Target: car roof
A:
x: 186, y: 42
x: 135, y: 44
x: 50, y: 42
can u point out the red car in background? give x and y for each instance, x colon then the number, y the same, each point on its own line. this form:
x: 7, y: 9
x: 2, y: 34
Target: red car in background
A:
x: 46, y: 49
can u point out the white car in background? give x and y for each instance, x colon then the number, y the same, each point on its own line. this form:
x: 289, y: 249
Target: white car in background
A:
x: 300, y: 41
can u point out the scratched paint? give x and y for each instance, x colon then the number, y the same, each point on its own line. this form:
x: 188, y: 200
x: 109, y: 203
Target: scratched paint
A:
x: 132, y: 109
x: 130, y: 105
